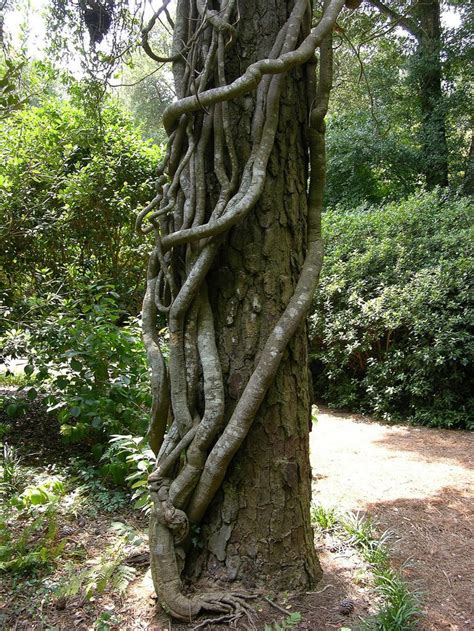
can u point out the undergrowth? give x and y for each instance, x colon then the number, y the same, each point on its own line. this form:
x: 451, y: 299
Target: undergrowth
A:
x: 400, y: 610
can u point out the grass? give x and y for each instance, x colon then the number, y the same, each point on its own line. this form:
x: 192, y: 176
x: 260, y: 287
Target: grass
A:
x: 400, y: 611
x: 17, y: 379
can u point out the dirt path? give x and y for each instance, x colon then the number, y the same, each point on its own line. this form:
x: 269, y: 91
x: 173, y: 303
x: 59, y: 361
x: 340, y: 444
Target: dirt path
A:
x: 418, y: 483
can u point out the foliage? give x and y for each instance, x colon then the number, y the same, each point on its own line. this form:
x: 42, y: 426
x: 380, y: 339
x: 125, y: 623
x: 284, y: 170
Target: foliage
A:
x: 400, y: 610
x: 145, y: 88
x: 11, y: 476
x: 106, y: 571
x: 13, y: 406
x: 10, y: 99
x: 326, y: 518
x: 379, y: 138
x: 71, y: 178
x: 140, y: 461
x: 365, y: 165
x: 36, y: 547
x: 390, y: 328
x: 290, y: 622
x: 12, y: 378
x: 92, y: 370
x: 372, y: 145
x: 49, y: 492
x: 96, y: 493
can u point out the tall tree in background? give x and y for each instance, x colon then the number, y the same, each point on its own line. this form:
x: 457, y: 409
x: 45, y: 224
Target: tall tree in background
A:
x: 235, y: 263
x: 423, y: 22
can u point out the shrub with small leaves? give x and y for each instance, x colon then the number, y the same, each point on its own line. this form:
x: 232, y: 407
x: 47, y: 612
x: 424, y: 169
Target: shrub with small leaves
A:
x: 392, y: 321
x: 92, y: 371
x: 140, y: 461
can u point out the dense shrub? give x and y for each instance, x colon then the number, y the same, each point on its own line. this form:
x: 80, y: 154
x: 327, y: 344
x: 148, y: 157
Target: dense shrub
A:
x: 71, y: 180
x: 391, y: 325
x: 364, y: 166
x: 92, y: 371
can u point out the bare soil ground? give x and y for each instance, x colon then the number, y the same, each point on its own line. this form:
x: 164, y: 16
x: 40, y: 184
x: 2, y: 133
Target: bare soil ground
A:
x: 418, y: 483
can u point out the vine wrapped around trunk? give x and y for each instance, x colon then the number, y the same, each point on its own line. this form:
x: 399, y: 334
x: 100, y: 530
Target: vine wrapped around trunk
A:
x: 191, y: 434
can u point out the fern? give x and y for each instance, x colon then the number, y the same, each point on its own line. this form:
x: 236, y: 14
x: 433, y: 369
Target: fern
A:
x: 122, y: 577
x: 108, y: 571
x: 140, y: 461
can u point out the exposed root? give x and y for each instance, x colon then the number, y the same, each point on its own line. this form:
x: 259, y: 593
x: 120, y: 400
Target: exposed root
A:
x: 234, y: 603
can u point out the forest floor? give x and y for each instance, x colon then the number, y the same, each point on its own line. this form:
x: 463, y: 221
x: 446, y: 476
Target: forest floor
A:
x: 415, y: 482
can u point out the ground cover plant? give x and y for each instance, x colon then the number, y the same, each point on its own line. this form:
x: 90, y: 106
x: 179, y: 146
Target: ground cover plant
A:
x: 399, y: 609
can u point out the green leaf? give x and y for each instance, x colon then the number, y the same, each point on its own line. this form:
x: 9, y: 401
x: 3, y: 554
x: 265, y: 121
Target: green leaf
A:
x: 42, y: 374
x: 76, y: 365
x: 142, y: 502
x: 62, y: 382
x: 138, y: 484
x: 97, y: 422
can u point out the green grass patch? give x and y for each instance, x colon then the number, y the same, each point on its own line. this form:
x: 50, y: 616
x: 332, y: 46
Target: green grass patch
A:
x: 400, y: 610
x: 14, y: 379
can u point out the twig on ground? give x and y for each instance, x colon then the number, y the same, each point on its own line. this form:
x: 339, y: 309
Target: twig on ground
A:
x: 320, y: 591
x: 285, y: 611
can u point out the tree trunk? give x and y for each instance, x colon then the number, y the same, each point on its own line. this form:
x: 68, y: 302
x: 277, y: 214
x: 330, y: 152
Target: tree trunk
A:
x: 237, y: 256
x: 429, y: 77
x: 257, y: 530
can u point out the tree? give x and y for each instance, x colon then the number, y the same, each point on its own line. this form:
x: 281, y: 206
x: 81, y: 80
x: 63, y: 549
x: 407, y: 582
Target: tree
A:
x: 423, y: 22
x: 235, y: 263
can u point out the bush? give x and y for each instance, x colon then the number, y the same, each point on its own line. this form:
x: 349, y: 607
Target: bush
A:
x: 93, y: 372
x: 71, y: 180
x: 391, y: 324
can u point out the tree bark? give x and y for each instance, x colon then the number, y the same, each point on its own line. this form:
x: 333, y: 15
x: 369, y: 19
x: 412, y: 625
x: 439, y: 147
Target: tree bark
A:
x: 237, y: 256
x: 467, y: 186
x: 257, y: 530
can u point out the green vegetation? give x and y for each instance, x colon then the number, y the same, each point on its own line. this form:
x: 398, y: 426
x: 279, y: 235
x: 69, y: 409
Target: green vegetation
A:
x: 90, y: 373
x: 400, y: 610
x: 71, y: 179
x: 290, y: 622
x: 40, y: 510
x: 391, y: 325
x: 391, y: 322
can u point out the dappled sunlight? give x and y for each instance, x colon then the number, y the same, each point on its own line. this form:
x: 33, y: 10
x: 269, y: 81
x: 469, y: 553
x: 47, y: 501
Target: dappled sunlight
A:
x: 372, y: 460
x: 416, y: 483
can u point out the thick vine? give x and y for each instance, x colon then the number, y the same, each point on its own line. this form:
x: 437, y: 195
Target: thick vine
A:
x: 193, y: 444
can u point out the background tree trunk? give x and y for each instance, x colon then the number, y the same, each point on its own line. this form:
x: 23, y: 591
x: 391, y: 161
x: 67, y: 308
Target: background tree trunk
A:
x: 257, y: 530
x: 468, y: 181
x: 429, y: 76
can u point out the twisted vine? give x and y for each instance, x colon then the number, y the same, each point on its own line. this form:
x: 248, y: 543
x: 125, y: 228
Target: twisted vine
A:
x: 193, y: 444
